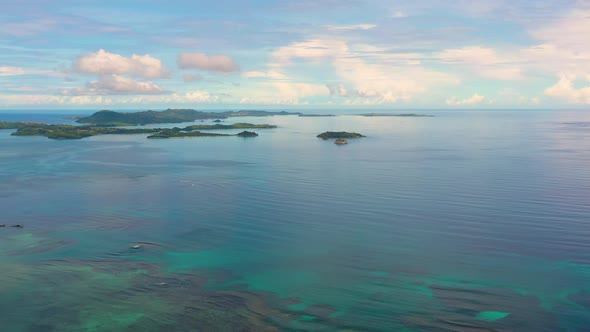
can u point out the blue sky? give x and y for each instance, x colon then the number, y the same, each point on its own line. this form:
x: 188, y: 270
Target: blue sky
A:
x: 63, y: 54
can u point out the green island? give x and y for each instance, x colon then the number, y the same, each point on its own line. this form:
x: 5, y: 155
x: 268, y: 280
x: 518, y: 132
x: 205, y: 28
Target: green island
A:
x: 238, y: 125
x: 180, y: 133
x: 16, y: 125
x: 112, y: 118
x: 339, y: 135
x: 65, y: 131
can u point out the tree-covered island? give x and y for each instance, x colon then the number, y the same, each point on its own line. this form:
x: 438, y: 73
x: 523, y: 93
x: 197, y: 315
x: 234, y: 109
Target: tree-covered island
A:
x: 167, y: 116
x: 64, y: 131
x: 339, y: 135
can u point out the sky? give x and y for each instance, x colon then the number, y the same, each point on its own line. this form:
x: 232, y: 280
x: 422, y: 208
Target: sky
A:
x: 323, y: 54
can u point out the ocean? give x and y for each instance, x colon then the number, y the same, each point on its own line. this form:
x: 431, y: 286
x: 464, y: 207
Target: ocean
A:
x: 466, y: 221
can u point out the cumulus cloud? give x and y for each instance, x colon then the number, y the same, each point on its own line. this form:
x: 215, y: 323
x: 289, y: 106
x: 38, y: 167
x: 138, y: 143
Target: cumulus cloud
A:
x: 11, y: 71
x: 192, y: 77
x: 475, y: 99
x: 368, y: 73
x: 105, y: 63
x: 565, y: 90
x: 213, y: 63
x: 116, y: 85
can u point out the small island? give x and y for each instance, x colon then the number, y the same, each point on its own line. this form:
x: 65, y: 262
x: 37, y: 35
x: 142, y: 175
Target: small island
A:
x: 246, y: 133
x: 180, y: 133
x: 239, y: 125
x: 315, y: 115
x: 339, y: 135
x: 340, y: 142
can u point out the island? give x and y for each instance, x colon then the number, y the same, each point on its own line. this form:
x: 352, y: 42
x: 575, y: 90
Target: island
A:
x: 315, y: 115
x: 179, y: 133
x: 16, y: 125
x: 339, y: 135
x: 238, y: 125
x: 112, y: 118
x: 246, y: 133
x: 341, y: 142
x: 65, y: 131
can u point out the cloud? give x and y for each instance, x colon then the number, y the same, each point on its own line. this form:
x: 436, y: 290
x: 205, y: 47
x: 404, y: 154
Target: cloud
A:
x: 314, y: 49
x: 283, y: 93
x: 340, y: 90
x: 564, y: 89
x: 11, y: 71
x: 475, y: 99
x: 197, y: 96
x: 44, y: 99
x: 116, y: 85
x: 150, y: 100
x: 213, y: 63
x: 192, y: 77
x: 350, y: 27
x: 28, y: 28
x: 367, y: 72
x: 105, y: 63
x: 484, y: 61
x: 273, y: 74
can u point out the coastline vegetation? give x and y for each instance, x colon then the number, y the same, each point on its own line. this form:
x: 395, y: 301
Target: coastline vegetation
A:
x: 106, y: 117
x: 65, y: 131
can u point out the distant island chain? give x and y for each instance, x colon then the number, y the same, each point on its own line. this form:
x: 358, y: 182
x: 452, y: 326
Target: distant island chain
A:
x: 111, y: 123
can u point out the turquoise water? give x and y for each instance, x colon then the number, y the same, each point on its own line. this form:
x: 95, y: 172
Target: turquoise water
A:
x: 467, y: 221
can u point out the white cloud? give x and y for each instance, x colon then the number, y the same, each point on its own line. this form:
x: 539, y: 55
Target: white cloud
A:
x: 283, y: 93
x: 116, y: 85
x: 564, y: 89
x: 475, y: 99
x: 11, y: 71
x: 273, y: 74
x: 43, y: 99
x: 214, y: 63
x: 484, y: 61
x: 365, y: 72
x: 105, y: 63
x: 314, y: 49
x: 175, y: 98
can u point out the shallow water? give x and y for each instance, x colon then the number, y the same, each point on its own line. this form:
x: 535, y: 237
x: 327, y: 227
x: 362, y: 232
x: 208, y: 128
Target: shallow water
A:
x: 466, y: 221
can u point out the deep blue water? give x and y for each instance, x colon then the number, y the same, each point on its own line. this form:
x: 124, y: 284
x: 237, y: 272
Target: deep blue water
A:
x: 466, y: 221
